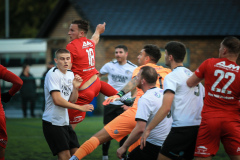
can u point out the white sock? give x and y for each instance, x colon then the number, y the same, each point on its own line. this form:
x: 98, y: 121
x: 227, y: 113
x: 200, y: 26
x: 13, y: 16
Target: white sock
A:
x: 104, y: 157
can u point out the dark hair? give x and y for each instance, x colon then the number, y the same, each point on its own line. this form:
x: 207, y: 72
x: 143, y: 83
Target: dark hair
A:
x: 60, y: 51
x: 83, y: 25
x: 153, y: 52
x: 123, y: 47
x: 149, y: 74
x: 232, y: 43
x: 177, y: 50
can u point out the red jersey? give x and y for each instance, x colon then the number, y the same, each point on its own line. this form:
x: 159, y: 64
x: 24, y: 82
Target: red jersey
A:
x: 222, y: 89
x: 3, y: 71
x: 83, y: 58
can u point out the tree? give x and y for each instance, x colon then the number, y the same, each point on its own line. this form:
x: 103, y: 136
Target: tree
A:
x: 25, y: 17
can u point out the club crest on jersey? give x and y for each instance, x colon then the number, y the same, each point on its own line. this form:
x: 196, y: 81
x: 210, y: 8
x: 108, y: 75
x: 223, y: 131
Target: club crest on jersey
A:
x: 230, y: 67
x: 87, y: 44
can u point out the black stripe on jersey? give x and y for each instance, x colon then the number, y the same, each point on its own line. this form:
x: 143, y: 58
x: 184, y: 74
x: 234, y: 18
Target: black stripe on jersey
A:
x: 55, y: 69
x: 139, y: 119
x: 114, y: 62
x: 69, y: 70
x: 131, y: 63
x: 169, y: 90
x: 54, y: 91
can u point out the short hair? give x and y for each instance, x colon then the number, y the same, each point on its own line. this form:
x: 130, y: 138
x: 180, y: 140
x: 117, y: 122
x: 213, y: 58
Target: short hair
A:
x: 232, y: 43
x: 149, y: 74
x: 60, y: 51
x: 82, y: 25
x: 153, y: 52
x: 177, y: 50
x: 123, y: 47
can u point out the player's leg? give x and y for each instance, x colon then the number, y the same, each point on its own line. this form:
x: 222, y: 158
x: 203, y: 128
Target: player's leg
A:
x: 162, y: 157
x: 3, y: 136
x: 107, y: 89
x: 63, y: 155
x: 108, y: 116
x: 230, y: 136
x: 90, y: 145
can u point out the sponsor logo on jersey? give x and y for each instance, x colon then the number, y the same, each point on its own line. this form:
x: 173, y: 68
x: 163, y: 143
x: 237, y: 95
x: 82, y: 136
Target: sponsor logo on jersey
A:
x: 238, y: 149
x: 202, y: 150
x: 87, y: 44
x: 128, y: 72
x: 230, y: 67
x: 119, y: 78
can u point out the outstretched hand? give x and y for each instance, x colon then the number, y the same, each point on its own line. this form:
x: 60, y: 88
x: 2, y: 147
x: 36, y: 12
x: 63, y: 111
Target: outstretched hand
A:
x: 77, y: 81
x: 87, y: 107
x: 111, y: 99
x: 101, y: 28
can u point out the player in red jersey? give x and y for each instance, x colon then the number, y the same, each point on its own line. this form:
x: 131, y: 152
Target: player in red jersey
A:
x: 6, y: 75
x: 83, y: 63
x: 221, y: 110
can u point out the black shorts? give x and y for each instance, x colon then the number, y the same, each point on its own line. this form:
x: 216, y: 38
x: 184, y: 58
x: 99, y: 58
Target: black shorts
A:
x: 180, y: 143
x: 59, y: 138
x: 150, y: 151
x: 110, y: 112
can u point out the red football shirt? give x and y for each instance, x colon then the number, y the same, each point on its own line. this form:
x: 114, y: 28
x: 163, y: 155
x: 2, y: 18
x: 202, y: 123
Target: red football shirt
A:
x: 222, y: 88
x: 83, y: 58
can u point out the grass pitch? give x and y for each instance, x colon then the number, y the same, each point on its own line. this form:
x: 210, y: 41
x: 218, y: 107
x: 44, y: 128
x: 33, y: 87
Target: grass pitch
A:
x: 26, y: 140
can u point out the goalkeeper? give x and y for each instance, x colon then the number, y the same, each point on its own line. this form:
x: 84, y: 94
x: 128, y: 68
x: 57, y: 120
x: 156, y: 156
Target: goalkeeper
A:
x: 125, y: 123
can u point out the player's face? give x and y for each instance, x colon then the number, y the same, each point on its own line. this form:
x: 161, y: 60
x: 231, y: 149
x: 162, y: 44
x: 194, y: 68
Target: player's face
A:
x: 167, y: 62
x: 120, y: 55
x: 74, y: 32
x: 142, y: 57
x: 63, y: 62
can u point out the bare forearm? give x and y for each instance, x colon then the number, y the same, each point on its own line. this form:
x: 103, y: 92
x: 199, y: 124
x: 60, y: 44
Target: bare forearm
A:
x: 131, y: 85
x: 74, y: 96
x: 134, y: 136
x: 96, y: 37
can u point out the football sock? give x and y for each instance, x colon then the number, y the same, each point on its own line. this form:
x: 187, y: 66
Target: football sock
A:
x: 107, y: 89
x: 86, y: 148
x: 105, y: 148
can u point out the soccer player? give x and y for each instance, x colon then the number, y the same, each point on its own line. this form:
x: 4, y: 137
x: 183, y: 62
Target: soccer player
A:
x: 148, y: 106
x: 6, y: 75
x: 185, y: 105
x: 125, y: 122
x: 221, y: 110
x: 83, y: 63
x: 119, y: 74
x: 61, y: 86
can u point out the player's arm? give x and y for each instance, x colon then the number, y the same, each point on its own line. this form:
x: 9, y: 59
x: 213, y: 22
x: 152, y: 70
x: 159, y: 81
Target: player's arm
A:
x: 193, y: 80
x: 77, y: 81
x: 130, y: 86
x: 99, y: 30
x: 134, y: 136
x: 59, y: 101
x: 160, y: 115
x: 15, y: 80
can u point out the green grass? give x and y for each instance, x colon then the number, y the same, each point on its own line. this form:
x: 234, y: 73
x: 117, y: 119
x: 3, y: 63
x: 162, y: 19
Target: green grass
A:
x: 26, y: 140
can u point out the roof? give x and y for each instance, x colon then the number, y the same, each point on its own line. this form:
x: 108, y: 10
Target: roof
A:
x: 22, y: 45
x: 162, y: 17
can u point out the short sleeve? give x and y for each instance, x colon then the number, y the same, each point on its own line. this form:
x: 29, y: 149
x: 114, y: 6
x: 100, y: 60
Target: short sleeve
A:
x: 170, y: 83
x: 135, y: 72
x: 73, y: 51
x: 53, y: 82
x: 104, y: 69
x: 201, y: 69
x: 143, y: 111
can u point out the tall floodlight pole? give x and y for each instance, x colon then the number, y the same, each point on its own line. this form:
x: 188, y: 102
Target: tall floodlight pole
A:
x: 7, y: 18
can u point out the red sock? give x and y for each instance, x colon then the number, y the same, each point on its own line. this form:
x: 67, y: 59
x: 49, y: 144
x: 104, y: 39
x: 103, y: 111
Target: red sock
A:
x: 107, y: 89
x: 2, y: 158
x: 87, y: 147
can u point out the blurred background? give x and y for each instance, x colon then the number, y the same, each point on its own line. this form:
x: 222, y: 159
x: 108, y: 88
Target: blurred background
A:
x: 32, y: 30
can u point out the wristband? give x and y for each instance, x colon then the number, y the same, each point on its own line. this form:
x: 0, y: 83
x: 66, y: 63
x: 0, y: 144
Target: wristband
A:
x: 121, y: 93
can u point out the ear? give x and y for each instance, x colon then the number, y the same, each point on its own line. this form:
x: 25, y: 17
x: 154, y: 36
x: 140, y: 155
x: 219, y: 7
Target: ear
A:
x: 81, y: 34
x: 170, y: 58
x: 55, y: 60
x: 225, y: 50
x: 147, y: 58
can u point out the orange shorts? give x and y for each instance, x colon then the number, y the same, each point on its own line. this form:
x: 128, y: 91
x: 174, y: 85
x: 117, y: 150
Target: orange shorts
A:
x: 122, y: 125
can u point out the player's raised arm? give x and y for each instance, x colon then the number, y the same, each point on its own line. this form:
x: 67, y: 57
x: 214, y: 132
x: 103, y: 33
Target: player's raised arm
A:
x: 99, y: 30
